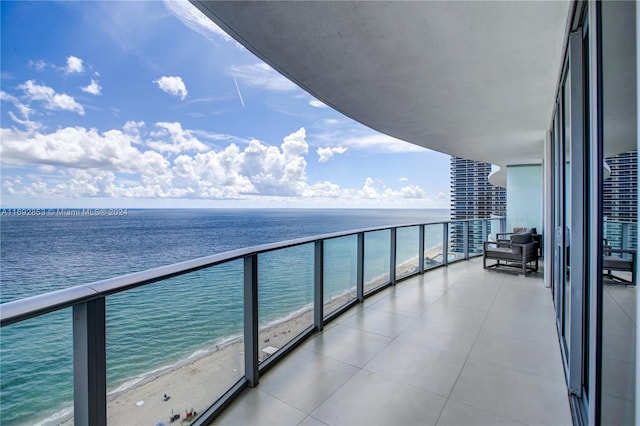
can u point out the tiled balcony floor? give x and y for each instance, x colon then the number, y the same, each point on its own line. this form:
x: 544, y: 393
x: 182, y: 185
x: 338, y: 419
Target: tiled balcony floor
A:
x: 456, y: 346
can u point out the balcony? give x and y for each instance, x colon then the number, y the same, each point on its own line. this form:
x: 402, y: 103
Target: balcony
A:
x: 364, y: 341
x: 456, y: 346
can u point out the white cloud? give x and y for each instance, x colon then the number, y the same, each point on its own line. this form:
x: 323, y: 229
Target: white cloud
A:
x: 172, y: 85
x: 375, y: 189
x: 114, y: 164
x: 325, y: 190
x: 92, y: 88
x: 39, y: 64
x: 196, y: 20
x: 412, y: 191
x: 326, y: 153
x: 73, y: 147
x: 51, y: 99
x: 276, y: 171
x: 23, y: 110
x: 403, y: 179
x: 133, y: 127
x: 263, y: 76
x: 74, y: 65
x: 318, y: 104
x: 179, y: 140
x: 170, y: 162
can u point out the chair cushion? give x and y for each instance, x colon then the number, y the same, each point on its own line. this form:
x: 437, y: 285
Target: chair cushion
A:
x: 523, y: 230
x: 503, y: 254
x: 617, y: 263
x: 521, y: 238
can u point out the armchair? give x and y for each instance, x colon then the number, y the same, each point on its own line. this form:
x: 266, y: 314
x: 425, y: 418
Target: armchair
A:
x: 505, y: 236
x: 519, y: 251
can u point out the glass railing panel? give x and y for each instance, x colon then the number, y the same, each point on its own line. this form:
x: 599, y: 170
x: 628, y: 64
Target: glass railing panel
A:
x: 493, y: 228
x: 340, y: 272
x: 377, y: 248
x: 36, y: 367
x: 621, y: 235
x: 181, y: 337
x: 433, y: 256
x: 476, y: 237
x: 456, y: 241
x: 407, y: 240
x: 612, y: 234
x: 285, y: 296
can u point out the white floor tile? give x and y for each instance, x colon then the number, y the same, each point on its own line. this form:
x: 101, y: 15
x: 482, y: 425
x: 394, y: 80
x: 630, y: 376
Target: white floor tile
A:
x: 457, y: 414
x: 512, y: 394
x: 372, y: 399
x: 304, y: 388
x: 430, y: 369
x: 255, y: 407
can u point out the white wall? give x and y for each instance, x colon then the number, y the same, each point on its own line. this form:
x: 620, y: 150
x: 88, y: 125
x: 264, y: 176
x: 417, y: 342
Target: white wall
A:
x: 524, y: 196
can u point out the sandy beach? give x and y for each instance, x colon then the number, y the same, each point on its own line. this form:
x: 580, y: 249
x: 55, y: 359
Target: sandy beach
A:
x: 198, y: 383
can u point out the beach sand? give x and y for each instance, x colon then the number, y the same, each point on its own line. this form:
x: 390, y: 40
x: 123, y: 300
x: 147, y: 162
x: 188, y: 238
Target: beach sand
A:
x: 197, y: 384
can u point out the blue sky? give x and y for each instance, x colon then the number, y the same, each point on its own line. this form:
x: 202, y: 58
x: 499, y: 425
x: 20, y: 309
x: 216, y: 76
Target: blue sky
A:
x: 148, y: 104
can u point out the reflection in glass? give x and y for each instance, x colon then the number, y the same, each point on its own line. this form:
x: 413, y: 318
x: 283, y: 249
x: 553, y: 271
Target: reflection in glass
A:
x: 456, y: 241
x: 476, y: 237
x: 619, y: 224
x: 566, y: 312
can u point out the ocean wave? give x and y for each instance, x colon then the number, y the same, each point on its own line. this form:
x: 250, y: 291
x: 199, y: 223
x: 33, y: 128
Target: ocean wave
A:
x: 288, y: 317
x: 56, y: 418
x: 199, y: 353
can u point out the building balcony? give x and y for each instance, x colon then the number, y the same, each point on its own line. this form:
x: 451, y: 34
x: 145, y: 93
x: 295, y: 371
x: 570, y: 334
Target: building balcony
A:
x: 455, y: 346
x: 435, y: 342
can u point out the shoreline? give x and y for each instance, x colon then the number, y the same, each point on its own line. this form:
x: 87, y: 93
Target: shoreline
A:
x: 195, y: 382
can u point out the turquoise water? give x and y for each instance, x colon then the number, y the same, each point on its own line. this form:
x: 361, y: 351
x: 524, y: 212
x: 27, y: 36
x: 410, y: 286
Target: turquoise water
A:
x: 165, y: 323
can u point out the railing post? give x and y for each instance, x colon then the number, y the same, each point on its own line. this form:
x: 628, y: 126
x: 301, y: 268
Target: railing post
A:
x: 360, y: 268
x: 251, y: 319
x: 624, y: 236
x: 485, y: 230
x: 465, y: 239
x: 318, y: 266
x: 90, y: 363
x: 445, y: 243
x: 392, y: 256
x: 421, y: 249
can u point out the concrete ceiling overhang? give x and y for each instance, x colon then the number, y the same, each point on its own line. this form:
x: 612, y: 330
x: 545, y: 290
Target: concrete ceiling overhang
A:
x: 467, y: 78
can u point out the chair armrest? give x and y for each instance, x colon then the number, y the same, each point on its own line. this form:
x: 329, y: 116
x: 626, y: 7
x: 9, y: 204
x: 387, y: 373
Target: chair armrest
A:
x: 486, y: 244
x: 609, y: 251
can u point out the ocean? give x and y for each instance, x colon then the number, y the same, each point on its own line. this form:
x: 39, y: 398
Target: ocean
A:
x: 155, y: 327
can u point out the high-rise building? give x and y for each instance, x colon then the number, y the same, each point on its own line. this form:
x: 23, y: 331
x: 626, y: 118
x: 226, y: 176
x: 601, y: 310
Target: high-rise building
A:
x: 620, y: 200
x: 473, y: 197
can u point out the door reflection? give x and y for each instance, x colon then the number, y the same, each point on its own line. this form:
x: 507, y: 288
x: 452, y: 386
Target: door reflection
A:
x: 619, y: 220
